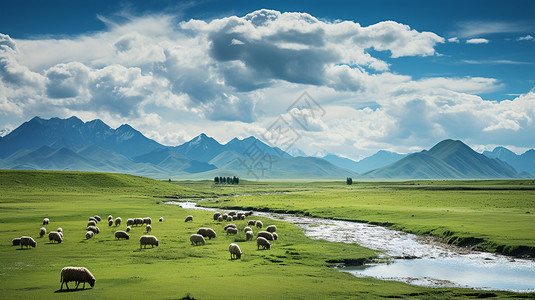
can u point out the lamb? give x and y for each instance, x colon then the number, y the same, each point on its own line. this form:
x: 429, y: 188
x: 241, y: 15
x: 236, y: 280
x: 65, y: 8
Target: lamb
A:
x: 149, y: 228
x: 247, y: 228
x: 97, y: 217
x: 251, y: 222
x: 235, y: 251
x: 77, y: 274
x: 197, y: 239
x: 16, y: 241
x: 267, y: 235
x: 130, y: 222
x: 110, y: 222
x: 259, y: 224
x: 271, y: 228
x: 138, y: 221
x: 94, y: 229
x: 89, y: 234
x: 55, y: 236
x: 59, y: 229
x: 27, y: 241
x: 91, y: 223
x: 229, y: 225
x: 118, y: 221
x: 42, y: 232
x: 147, y: 221
x: 207, y: 232
x: 119, y: 234
x: 220, y: 219
x: 145, y: 240
x: 275, y: 236
x: 161, y: 219
x: 216, y: 215
x: 189, y: 218
x: 262, y: 242
x: 46, y: 221
x: 232, y: 230
x: 128, y: 228
x: 249, y: 235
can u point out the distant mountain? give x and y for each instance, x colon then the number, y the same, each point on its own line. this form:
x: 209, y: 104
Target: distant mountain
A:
x: 522, y: 163
x: 378, y: 160
x: 201, y: 148
x: 252, y: 146
x: 170, y: 159
x: 448, y: 159
x: 342, y: 162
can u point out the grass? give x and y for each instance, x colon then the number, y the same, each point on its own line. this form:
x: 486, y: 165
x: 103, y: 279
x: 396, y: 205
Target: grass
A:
x: 296, y: 266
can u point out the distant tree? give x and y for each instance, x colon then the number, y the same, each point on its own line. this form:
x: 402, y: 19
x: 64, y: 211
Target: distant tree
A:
x: 349, y: 181
x: 229, y: 180
x: 224, y: 180
x: 169, y: 179
x: 237, y: 180
x: 216, y: 180
x: 221, y: 179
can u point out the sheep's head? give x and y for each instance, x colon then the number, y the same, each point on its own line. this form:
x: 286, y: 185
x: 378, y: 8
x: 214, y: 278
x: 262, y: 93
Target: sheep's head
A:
x: 238, y: 255
x: 92, y: 281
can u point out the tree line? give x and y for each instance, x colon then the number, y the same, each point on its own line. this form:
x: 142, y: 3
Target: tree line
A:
x: 226, y: 180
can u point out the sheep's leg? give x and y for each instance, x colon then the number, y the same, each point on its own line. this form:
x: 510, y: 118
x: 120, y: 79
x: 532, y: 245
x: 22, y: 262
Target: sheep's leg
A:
x: 77, y: 284
x: 83, y: 286
x: 61, y: 287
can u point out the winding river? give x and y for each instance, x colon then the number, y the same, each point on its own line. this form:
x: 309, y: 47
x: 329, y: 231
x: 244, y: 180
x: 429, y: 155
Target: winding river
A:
x: 430, y: 264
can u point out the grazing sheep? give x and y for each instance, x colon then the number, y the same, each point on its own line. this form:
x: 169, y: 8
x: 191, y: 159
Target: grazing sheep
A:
x: 262, y: 242
x: 110, y: 222
x: 275, y: 236
x: 267, y: 235
x: 225, y: 217
x: 249, y: 213
x: 59, y: 229
x: 61, y: 234
x: 247, y: 228
x: 207, y: 232
x: 145, y: 240
x: 78, y: 275
x: 251, y: 222
x: 46, y: 221
x: 95, y: 229
x: 220, y: 219
x: 241, y: 213
x: 249, y: 235
x: 229, y: 225
x: 235, y: 251
x: 97, y: 217
x: 216, y: 215
x: 234, y: 218
x: 16, y: 241
x: 92, y: 219
x: 138, y: 221
x: 161, y: 219
x: 259, y: 224
x: 118, y: 221
x: 42, y: 232
x: 128, y: 228
x: 91, y: 223
x: 89, y: 234
x: 271, y: 228
x: 197, y: 239
x: 55, y: 236
x: 232, y: 230
x: 149, y: 228
x: 27, y: 241
x: 119, y: 234
x: 189, y: 218
x: 110, y: 217
x: 232, y: 213
x: 147, y: 221
x: 130, y: 222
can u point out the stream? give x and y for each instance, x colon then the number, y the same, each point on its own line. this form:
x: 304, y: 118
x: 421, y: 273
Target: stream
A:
x: 413, y: 259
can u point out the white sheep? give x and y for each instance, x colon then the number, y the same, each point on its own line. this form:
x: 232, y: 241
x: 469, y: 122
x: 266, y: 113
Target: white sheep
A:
x: 271, y: 228
x: 207, y: 232
x: 91, y: 223
x: 249, y: 235
x: 46, y: 221
x: 232, y: 230
x: 119, y: 234
x: 220, y: 219
x: 229, y: 225
x: 55, y: 236
x: 110, y: 222
x: 145, y: 240
x: 216, y: 215
x: 130, y: 222
x: 27, y: 241
x: 235, y: 251
x: 147, y: 221
x: 197, y: 239
x: 251, y: 222
x: 59, y: 229
x: 92, y: 219
x: 262, y: 242
x: 128, y: 228
x: 259, y: 224
x: 97, y: 217
x: 225, y: 217
x: 138, y: 221
x: 189, y: 218
x: 275, y: 236
x: 89, y: 234
x: 247, y: 228
x: 149, y: 228
x: 118, y: 221
x: 161, y: 219
x: 267, y: 235
x: 15, y: 241
x: 110, y: 217
x: 42, y: 232
x: 78, y: 275
x: 95, y: 229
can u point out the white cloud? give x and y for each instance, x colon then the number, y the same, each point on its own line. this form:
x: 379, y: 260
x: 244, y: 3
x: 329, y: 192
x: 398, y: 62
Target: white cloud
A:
x: 453, y: 40
x: 477, y: 41
x: 471, y: 29
x: 526, y: 38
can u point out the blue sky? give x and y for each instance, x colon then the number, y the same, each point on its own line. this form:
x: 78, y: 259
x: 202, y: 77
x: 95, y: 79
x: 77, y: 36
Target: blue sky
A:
x: 395, y: 75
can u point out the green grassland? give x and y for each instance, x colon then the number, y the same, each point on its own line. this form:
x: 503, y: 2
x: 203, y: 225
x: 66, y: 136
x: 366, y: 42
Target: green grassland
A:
x: 296, y: 267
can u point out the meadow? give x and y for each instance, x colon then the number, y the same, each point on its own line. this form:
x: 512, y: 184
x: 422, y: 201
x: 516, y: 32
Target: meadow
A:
x: 296, y: 267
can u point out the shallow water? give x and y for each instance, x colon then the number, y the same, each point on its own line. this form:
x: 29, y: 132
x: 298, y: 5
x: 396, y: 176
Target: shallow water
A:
x: 434, y: 265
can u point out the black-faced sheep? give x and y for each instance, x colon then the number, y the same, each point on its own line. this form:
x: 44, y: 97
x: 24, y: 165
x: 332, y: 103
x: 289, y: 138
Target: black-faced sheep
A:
x: 229, y: 225
x: 249, y: 235
x: 267, y: 235
x: 197, y: 239
x: 89, y: 234
x: 189, y: 218
x: 119, y: 234
x: 78, y: 275
x: 232, y: 230
x: 207, y: 232
x: 235, y: 251
x: 259, y: 224
x: 110, y: 217
x: 128, y: 228
x: 92, y: 219
x: 27, y: 241
x: 147, y: 221
x: 216, y: 215
x: 118, y: 221
x: 145, y: 240
x: 55, y: 236
x: 262, y: 242
x: 161, y: 219
x: 42, y: 232
x: 91, y: 223
x: 130, y: 222
x: 59, y: 229
x: 46, y: 221
x: 271, y: 228
x: 110, y: 222
x: 251, y: 222
x: 94, y: 229
x: 16, y: 241
x: 275, y: 236
x: 148, y: 228
x: 97, y: 217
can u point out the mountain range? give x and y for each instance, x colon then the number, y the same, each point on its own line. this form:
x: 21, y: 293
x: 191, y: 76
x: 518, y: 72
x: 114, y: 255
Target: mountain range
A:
x: 71, y: 144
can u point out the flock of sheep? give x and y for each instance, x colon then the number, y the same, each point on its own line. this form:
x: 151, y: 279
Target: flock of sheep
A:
x: 83, y: 275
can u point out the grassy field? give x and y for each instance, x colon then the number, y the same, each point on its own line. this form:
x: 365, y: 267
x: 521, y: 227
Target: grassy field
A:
x: 296, y: 267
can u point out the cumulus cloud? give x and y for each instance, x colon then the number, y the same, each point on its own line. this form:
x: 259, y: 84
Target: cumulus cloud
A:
x: 526, y: 38
x: 453, y: 40
x: 477, y: 41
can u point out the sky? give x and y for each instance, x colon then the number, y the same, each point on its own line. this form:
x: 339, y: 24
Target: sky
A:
x: 343, y: 77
